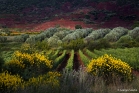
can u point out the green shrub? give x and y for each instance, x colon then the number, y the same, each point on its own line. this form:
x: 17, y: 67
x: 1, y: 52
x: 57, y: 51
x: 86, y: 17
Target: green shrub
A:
x: 21, y: 38
x: 137, y: 39
x: 3, y: 39
x: 97, y: 34
x: 101, y: 43
x: 40, y: 37
x: 134, y: 33
x: 31, y: 40
x: 77, y: 34
x: 28, y: 48
x: 126, y: 41
x: 87, y: 16
x: 135, y: 24
x: 62, y: 33
x: 54, y: 41
x: 1, y: 63
x: 73, y: 44
x: 78, y: 27
x: 50, y: 32
x: 115, y: 34
x: 42, y: 45
x: 5, y: 32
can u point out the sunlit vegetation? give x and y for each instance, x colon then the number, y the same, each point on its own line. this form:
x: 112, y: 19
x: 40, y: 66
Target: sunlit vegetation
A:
x: 78, y: 38
x: 67, y: 61
x: 28, y: 65
x: 73, y: 44
x: 84, y: 58
x: 69, y: 65
x: 129, y: 55
x: 59, y: 59
x: 108, y: 67
x: 90, y: 54
x: 10, y: 82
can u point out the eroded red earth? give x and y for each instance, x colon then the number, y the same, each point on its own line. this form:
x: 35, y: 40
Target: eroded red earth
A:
x: 67, y: 23
x: 68, y: 17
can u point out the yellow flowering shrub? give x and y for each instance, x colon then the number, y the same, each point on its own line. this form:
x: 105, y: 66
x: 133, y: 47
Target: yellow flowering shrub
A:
x: 25, y: 59
x: 49, y: 79
x: 28, y: 65
x: 107, y: 66
x: 10, y: 82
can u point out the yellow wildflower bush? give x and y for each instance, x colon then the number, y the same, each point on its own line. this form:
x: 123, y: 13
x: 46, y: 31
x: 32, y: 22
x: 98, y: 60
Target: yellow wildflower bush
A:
x: 50, y: 79
x: 28, y: 65
x: 108, y: 66
x: 25, y: 59
x: 10, y: 82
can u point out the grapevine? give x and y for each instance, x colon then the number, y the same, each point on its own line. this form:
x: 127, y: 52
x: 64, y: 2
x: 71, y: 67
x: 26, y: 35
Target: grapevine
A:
x: 59, y: 59
x: 84, y: 58
x: 70, y: 61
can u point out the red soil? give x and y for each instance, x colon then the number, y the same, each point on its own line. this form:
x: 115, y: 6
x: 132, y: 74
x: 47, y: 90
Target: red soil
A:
x: 80, y: 61
x: 63, y: 23
x: 71, y: 24
x: 76, y: 63
x: 115, y: 22
x: 36, y: 22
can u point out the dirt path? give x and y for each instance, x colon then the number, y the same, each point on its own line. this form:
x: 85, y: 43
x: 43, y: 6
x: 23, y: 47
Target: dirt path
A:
x: 76, y: 62
x: 80, y: 61
x: 64, y: 63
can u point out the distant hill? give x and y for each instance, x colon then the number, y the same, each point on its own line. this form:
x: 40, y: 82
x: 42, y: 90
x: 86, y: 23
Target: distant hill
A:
x: 42, y: 14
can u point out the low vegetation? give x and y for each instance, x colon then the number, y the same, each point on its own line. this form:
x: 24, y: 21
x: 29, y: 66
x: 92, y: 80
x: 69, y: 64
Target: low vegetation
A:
x: 93, y: 65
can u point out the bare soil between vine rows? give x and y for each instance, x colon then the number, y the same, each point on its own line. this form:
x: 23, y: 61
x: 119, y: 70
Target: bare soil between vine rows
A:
x: 77, y: 63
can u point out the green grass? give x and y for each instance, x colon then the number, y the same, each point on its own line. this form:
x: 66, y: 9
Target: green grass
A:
x: 7, y: 49
x: 128, y: 55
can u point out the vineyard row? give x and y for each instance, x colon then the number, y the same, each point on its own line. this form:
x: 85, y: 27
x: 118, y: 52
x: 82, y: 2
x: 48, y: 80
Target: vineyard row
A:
x: 73, y: 60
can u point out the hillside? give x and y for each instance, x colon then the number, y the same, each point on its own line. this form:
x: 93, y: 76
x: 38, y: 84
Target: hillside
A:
x: 39, y: 15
